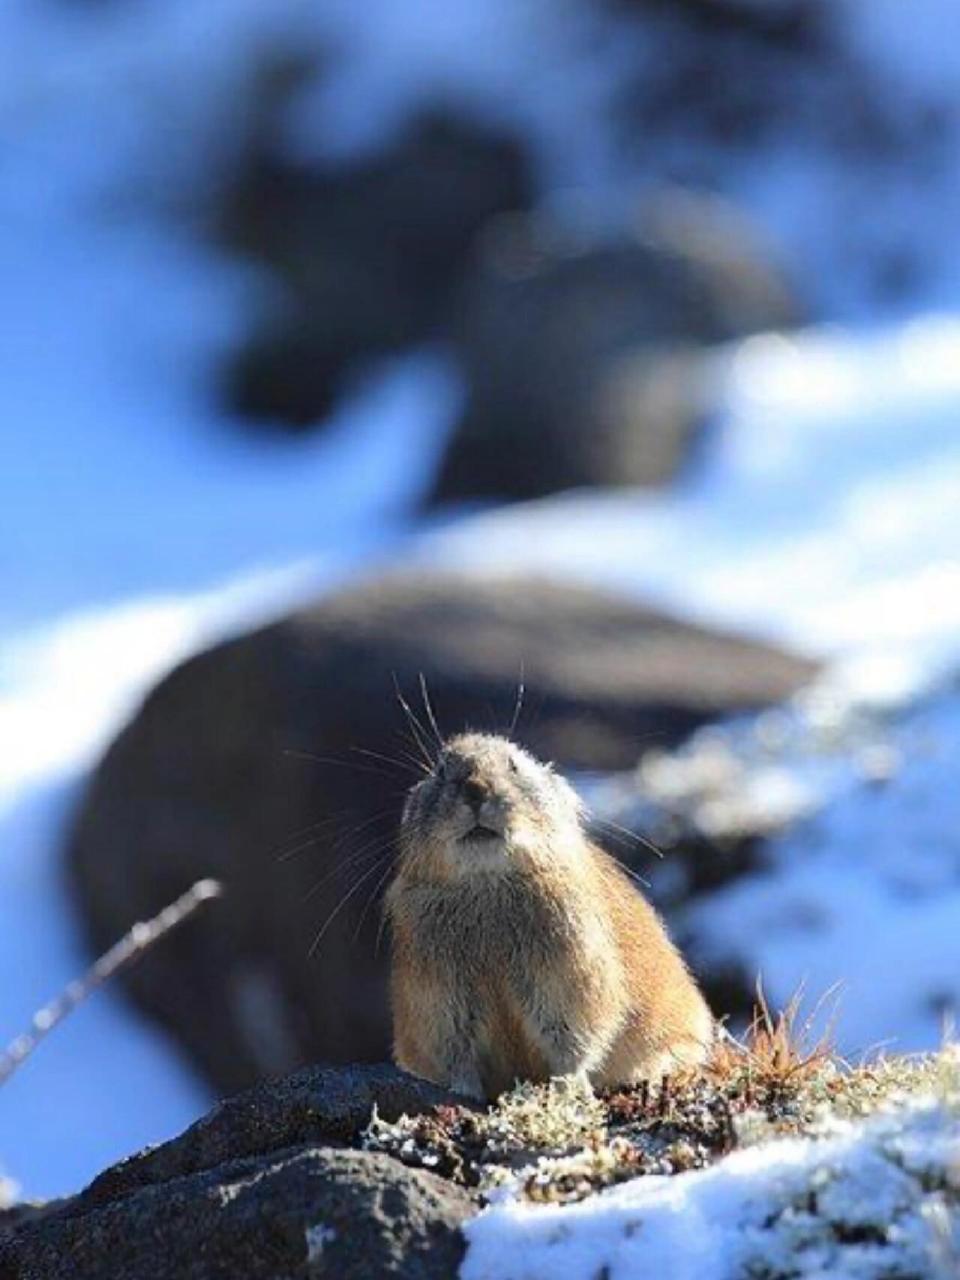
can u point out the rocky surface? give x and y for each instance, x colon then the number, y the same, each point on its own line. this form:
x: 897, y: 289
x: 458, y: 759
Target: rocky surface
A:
x: 252, y: 763
x: 263, y: 1187
x: 774, y: 1151
x: 588, y: 357
x: 796, y: 24
x: 319, y: 1105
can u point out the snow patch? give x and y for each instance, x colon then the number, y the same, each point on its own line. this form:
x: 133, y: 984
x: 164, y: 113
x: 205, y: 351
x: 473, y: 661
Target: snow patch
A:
x: 865, y: 893
x: 875, y: 1199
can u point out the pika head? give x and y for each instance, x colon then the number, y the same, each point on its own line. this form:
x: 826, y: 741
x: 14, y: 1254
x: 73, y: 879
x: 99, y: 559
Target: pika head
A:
x: 487, y: 805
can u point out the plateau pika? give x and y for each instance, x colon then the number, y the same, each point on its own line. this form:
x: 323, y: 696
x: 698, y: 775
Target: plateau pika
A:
x: 520, y: 949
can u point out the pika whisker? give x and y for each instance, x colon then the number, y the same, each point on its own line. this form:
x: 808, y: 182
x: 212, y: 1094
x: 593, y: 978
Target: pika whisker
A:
x: 420, y: 734
x: 406, y: 763
x: 358, y: 885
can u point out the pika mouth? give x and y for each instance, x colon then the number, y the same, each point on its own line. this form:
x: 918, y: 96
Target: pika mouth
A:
x: 482, y: 834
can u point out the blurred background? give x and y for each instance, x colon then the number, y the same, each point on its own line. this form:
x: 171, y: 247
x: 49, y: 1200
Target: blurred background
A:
x: 610, y: 347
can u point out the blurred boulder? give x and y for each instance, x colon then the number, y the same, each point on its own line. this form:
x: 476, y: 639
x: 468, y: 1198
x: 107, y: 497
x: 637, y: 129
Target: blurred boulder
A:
x: 231, y: 1198
x: 365, y: 255
x: 589, y: 358
x: 719, y: 87
x: 796, y: 23
x: 277, y: 762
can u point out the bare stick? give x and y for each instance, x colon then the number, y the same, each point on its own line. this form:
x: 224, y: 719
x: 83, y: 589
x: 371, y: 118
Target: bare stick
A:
x: 131, y: 947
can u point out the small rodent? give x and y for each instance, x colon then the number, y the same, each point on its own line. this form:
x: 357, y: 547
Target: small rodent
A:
x: 522, y: 951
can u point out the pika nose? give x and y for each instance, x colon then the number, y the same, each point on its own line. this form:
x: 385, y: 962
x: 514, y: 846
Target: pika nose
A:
x: 474, y: 793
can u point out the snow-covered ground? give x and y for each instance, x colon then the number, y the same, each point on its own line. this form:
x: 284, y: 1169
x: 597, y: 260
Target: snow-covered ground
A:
x: 859, y: 901
x: 136, y: 523
x: 874, y: 1199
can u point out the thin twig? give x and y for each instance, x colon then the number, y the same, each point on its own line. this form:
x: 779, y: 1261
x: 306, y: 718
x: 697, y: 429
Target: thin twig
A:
x: 122, y: 955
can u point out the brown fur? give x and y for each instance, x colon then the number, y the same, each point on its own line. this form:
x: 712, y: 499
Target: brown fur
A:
x: 523, y: 951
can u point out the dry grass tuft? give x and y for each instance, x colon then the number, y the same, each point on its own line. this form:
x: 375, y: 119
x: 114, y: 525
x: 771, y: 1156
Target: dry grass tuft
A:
x: 778, y: 1049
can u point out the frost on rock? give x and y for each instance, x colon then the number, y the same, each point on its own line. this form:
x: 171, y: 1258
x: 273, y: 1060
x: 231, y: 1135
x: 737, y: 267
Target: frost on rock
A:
x: 877, y: 1200
x: 533, y: 1122
x: 317, y: 1238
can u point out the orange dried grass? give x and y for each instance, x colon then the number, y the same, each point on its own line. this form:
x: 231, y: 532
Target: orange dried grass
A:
x: 778, y: 1049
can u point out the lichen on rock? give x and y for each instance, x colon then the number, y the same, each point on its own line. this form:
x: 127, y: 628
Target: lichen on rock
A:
x: 560, y: 1142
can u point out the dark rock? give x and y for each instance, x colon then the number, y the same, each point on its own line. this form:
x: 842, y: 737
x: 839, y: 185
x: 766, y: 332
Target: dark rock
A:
x: 793, y: 104
x: 317, y: 1105
x: 305, y: 1213
x: 720, y: 84
x: 266, y: 1201
x: 253, y: 752
x: 16, y: 1214
x: 794, y: 23
x: 366, y: 256
x: 588, y: 359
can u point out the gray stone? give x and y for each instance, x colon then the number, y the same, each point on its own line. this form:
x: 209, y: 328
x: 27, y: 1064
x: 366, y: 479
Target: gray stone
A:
x: 258, y: 1188
x: 301, y: 1212
x: 590, y: 359
x: 316, y: 1105
x: 365, y: 257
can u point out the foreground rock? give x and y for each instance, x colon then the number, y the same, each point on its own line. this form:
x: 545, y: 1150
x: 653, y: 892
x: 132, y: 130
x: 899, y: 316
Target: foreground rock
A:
x: 589, y: 358
x: 248, y: 764
x: 769, y: 1161
x: 261, y: 1188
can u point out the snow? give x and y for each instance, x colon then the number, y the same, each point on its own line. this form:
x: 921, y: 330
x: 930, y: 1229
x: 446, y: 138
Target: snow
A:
x: 865, y: 893
x: 868, y: 1201
x: 138, y: 522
